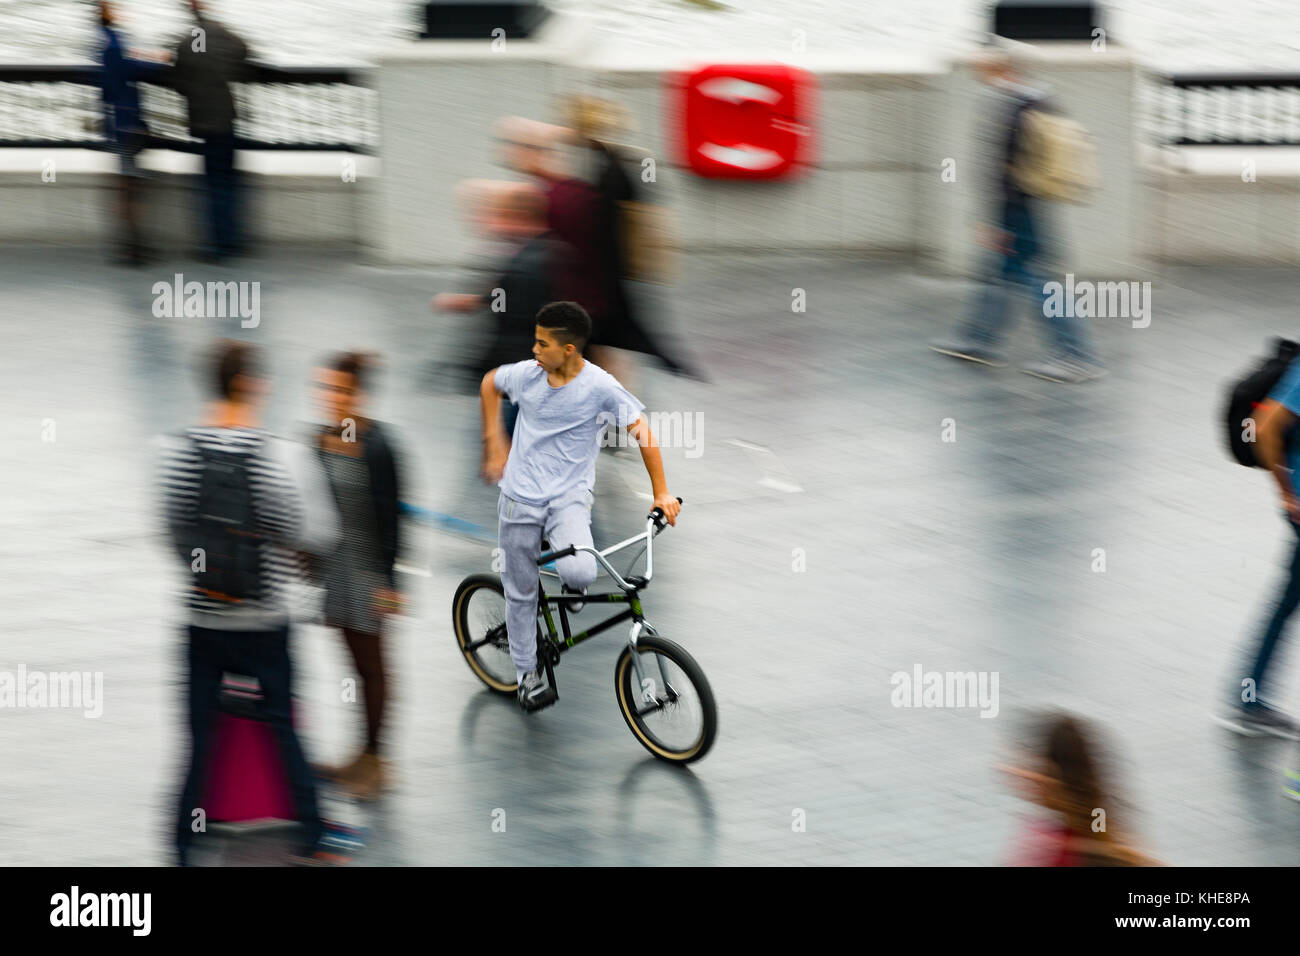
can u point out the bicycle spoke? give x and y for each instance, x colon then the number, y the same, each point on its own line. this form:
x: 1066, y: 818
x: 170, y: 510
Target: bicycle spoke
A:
x: 668, y: 708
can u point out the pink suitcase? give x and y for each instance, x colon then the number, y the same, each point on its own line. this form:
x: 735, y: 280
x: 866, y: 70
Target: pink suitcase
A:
x: 246, y: 776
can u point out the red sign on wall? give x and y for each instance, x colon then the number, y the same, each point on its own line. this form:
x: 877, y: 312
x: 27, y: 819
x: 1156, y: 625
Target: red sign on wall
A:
x: 746, y: 121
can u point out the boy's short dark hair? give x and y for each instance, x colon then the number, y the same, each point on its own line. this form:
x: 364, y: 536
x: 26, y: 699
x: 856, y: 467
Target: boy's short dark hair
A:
x: 568, y: 320
x: 231, y: 359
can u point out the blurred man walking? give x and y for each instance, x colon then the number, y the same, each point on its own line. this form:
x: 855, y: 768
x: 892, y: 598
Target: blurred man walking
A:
x: 1018, y: 245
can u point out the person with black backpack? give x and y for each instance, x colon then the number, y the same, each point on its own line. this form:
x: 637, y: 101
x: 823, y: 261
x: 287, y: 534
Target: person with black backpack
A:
x: 238, y: 505
x: 1262, y: 412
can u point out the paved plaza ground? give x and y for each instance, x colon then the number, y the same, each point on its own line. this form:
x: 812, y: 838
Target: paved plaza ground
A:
x: 830, y: 539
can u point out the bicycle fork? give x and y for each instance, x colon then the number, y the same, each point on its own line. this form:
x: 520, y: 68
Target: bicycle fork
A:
x: 645, y: 684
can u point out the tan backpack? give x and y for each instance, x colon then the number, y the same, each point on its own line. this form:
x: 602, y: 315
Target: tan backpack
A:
x: 1057, y: 159
x: 649, y: 242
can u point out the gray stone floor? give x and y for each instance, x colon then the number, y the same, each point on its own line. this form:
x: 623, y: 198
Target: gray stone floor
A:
x: 822, y: 432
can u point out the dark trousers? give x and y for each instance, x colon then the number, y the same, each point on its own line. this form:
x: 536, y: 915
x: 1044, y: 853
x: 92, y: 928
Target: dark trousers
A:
x: 221, y: 194
x: 265, y: 656
x: 1287, y: 602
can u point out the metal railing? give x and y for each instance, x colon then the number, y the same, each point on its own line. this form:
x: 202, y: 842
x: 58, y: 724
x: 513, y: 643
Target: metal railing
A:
x: 280, y: 108
x: 1228, y: 109
x: 333, y: 109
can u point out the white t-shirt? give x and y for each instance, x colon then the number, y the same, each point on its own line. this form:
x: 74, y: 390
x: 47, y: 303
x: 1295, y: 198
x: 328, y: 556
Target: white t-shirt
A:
x: 557, y: 436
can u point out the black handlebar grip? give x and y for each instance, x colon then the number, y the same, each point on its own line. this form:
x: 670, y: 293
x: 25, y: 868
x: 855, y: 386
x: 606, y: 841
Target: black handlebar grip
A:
x: 656, y: 510
x: 556, y: 555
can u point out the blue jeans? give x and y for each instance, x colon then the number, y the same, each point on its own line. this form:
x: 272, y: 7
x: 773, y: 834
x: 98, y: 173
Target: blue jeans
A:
x: 260, y: 654
x: 1287, y: 602
x: 1019, y: 268
x: 220, y: 193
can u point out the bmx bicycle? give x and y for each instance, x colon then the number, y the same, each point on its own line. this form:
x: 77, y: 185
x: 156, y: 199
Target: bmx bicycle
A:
x: 662, y: 692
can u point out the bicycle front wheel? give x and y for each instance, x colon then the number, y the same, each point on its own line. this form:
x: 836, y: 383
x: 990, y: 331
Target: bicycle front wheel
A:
x: 670, y: 707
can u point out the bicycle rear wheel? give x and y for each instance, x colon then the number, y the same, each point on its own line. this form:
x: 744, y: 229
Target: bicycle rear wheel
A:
x: 478, y: 613
x: 672, y: 713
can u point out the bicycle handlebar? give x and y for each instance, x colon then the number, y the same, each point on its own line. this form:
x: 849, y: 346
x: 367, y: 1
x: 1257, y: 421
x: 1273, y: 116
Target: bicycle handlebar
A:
x: 654, y: 524
x: 657, y: 516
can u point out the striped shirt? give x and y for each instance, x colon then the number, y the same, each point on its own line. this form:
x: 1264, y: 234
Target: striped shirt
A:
x: 291, y: 513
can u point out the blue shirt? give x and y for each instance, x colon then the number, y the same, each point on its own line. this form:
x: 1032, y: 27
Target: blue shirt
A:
x: 1287, y: 394
x: 557, y: 436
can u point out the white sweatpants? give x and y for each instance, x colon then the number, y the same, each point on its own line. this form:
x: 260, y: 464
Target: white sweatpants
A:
x: 564, y: 521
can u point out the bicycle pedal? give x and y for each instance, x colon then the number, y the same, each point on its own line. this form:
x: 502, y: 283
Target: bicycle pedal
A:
x: 532, y: 706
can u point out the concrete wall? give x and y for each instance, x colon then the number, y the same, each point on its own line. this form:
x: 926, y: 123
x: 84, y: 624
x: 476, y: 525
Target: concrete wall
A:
x: 438, y: 101
x: 885, y: 125
x: 299, y: 198
x: 862, y: 191
x: 1095, y: 88
x: 1225, y: 204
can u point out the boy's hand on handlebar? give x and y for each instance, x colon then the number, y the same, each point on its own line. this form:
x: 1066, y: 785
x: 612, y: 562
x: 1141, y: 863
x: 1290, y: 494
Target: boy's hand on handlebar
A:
x: 669, y: 505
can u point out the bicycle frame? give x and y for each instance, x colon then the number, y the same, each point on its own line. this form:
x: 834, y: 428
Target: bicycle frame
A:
x: 630, y: 595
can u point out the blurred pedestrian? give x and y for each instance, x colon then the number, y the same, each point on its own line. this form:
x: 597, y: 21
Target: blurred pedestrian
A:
x: 125, y: 129
x: 1063, y: 773
x: 1018, y: 242
x: 614, y: 223
x: 208, y: 61
x: 237, y: 504
x: 361, y: 586
x: 1277, y: 448
x: 540, y: 268
x: 589, y: 208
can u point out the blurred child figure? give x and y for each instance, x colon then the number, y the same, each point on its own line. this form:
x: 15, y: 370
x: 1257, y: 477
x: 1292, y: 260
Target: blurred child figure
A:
x: 1061, y: 772
x: 360, y: 584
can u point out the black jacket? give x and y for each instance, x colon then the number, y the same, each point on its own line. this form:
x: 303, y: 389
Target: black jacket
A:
x: 204, y: 78
x: 537, y: 274
x: 385, y: 491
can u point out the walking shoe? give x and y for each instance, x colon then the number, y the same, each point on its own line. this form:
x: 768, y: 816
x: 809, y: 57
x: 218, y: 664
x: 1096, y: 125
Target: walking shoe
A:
x: 321, y: 856
x: 1062, y: 371
x: 1260, y: 722
x: 971, y: 352
x: 333, y: 847
x: 1291, y: 786
x: 534, y: 693
x: 574, y: 606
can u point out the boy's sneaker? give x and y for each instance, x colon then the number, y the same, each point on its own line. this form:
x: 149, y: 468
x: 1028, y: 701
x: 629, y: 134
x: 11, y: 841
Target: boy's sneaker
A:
x: 534, y: 693
x: 574, y: 606
x: 1062, y: 371
x: 1260, y: 722
x: 971, y: 352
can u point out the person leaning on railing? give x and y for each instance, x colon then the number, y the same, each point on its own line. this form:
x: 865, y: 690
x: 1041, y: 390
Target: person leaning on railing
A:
x: 208, y: 61
x: 124, y: 127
